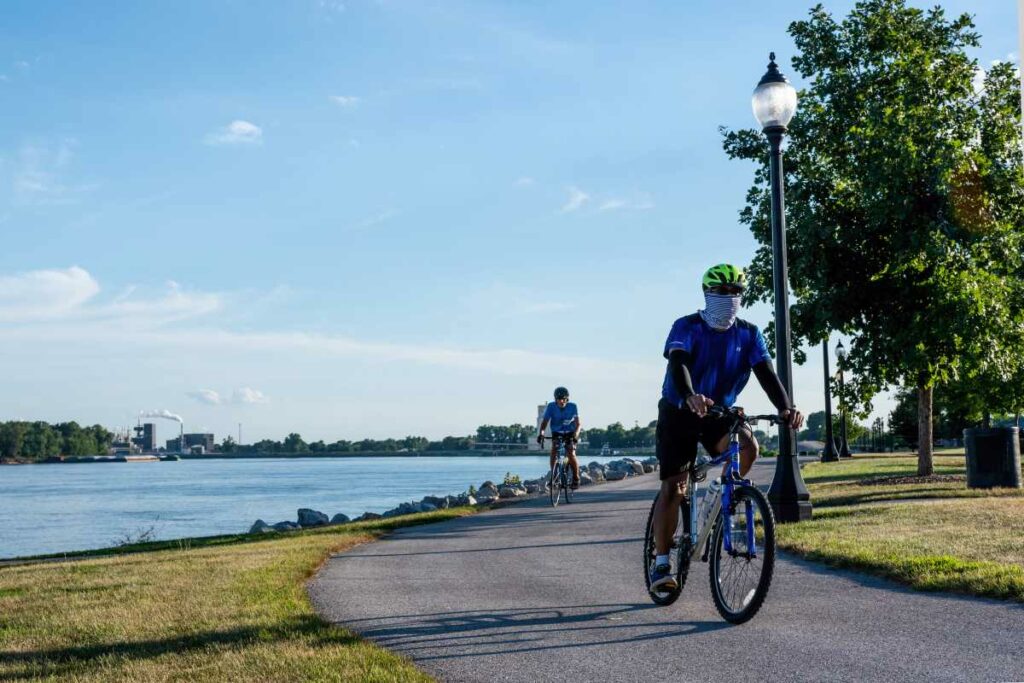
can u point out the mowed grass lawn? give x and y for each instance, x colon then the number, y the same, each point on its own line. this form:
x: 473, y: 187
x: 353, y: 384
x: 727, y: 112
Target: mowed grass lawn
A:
x: 217, y: 609
x: 932, y: 535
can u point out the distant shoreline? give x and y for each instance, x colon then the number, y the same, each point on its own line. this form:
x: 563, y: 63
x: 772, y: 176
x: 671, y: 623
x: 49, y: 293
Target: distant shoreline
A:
x: 88, y: 460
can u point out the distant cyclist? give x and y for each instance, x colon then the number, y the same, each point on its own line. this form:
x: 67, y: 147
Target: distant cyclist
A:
x: 565, y: 426
x: 710, y: 356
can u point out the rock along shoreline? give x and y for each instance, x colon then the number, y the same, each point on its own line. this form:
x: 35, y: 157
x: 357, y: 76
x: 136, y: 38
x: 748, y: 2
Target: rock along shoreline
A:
x: 488, y: 493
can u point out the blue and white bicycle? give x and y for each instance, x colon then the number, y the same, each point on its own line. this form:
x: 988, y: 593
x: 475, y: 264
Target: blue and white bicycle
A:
x: 733, y: 530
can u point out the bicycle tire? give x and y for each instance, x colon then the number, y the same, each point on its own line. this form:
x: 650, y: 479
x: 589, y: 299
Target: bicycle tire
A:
x: 752, y: 600
x: 682, y: 550
x: 554, y: 485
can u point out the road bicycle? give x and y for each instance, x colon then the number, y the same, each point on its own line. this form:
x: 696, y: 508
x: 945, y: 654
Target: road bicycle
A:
x: 560, y: 479
x: 734, y: 531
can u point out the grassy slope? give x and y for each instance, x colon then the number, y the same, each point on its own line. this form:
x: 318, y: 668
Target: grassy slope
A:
x: 932, y: 536
x: 209, y: 610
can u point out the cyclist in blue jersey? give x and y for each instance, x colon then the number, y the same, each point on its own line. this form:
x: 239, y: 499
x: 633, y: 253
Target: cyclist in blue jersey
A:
x: 711, y: 354
x: 564, y: 419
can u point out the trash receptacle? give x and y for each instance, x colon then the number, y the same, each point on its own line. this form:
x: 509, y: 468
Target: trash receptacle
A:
x: 993, y: 457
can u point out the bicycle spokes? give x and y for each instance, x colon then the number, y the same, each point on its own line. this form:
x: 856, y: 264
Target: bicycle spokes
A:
x: 742, y: 555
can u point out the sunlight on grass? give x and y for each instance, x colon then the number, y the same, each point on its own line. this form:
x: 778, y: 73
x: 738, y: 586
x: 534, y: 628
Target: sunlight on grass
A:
x: 212, y: 612
x: 935, y: 535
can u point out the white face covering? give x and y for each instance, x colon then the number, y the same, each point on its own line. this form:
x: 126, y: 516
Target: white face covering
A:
x: 720, y: 310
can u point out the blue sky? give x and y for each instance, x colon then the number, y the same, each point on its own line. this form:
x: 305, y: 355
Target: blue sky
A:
x: 355, y: 219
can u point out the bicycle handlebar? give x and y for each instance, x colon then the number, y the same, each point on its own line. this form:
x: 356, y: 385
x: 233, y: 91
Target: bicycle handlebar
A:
x: 737, y: 414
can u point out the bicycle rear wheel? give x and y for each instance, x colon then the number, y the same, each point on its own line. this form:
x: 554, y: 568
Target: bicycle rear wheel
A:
x: 680, y: 553
x: 555, y: 484
x: 740, y: 578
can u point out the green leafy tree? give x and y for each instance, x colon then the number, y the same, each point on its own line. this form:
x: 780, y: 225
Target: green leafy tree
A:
x: 414, y: 443
x: 293, y: 443
x: 12, y: 438
x: 904, y: 192
x: 228, y: 445
x: 815, y: 429
x: 41, y: 441
x: 267, y: 446
x: 597, y: 437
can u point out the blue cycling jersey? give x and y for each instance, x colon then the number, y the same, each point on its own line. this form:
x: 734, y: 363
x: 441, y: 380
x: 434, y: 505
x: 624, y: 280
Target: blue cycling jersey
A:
x: 562, y: 420
x: 722, y: 360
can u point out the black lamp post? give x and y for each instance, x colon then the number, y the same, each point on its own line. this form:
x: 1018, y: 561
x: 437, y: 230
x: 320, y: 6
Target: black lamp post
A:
x: 844, y: 446
x: 829, y: 453
x: 774, y: 103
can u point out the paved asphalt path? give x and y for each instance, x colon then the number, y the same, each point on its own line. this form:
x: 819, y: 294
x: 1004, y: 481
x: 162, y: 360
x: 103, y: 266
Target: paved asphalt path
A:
x: 532, y: 593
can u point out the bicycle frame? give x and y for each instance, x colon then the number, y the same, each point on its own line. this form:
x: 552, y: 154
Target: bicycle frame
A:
x: 562, y: 461
x: 699, y: 536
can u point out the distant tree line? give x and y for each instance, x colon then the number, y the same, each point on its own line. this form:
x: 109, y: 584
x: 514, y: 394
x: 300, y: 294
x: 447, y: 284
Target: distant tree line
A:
x: 294, y: 443
x: 617, y: 436
x: 33, y: 441
x: 21, y: 440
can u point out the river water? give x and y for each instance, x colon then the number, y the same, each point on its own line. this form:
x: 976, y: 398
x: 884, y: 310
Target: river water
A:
x: 60, y: 507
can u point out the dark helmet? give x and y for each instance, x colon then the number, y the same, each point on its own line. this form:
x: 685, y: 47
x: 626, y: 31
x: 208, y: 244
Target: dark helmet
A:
x: 561, y: 392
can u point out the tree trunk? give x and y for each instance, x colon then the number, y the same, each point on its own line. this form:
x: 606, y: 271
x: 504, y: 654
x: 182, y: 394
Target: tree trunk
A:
x: 924, y: 430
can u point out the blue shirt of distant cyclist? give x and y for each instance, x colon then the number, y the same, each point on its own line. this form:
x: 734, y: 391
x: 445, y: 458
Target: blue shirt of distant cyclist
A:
x: 562, y: 420
x: 721, y: 360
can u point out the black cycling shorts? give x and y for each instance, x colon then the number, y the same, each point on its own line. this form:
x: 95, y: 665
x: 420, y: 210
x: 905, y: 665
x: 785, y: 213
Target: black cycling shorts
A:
x: 678, y: 433
x: 568, y: 437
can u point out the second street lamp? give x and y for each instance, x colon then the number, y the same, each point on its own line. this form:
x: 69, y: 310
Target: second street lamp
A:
x: 774, y: 103
x: 844, y: 446
x: 828, y: 454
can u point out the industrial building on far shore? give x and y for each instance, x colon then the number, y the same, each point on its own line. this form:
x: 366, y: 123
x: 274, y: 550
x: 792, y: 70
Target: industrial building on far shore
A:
x: 144, y: 442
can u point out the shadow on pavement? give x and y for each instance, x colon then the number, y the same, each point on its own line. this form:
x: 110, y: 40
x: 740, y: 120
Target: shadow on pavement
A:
x: 488, y: 549
x: 524, y: 629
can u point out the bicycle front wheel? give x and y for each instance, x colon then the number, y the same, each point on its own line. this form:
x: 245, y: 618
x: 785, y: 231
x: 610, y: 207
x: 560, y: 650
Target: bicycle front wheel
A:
x: 555, y: 484
x: 740, y: 576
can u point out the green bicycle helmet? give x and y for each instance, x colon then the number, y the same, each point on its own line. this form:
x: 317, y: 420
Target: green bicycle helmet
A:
x: 724, y: 274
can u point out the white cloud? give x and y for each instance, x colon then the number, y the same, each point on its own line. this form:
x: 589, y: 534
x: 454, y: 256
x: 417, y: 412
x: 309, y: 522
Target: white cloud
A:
x: 241, y: 396
x: 577, y: 198
x: 500, y: 301
x: 39, y: 176
x: 376, y: 219
x: 45, y: 293
x: 57, y: 295
x: 346, y: 101
x: 978, y: 81
x: 237, y: 132
x: 248, y: 395
x: 612, y: 204
x: 207, y: 396
x: 525, y: 181
x: 333, y: 6
x: 642, y: 203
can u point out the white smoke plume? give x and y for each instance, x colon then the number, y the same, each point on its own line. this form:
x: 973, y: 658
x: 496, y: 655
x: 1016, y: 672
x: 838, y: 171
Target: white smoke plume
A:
x: 165, y: 414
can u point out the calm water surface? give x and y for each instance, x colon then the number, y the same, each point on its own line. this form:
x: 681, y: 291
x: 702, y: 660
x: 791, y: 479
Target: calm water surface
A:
x: 58, y: 508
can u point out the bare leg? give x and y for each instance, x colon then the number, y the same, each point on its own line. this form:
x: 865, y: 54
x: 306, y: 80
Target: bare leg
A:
x: 574, y: 463
x: 748, y: 451
x: 666, y: 515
